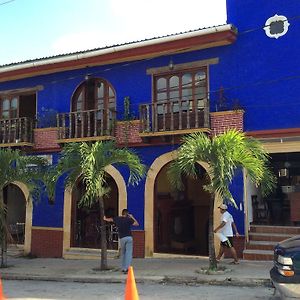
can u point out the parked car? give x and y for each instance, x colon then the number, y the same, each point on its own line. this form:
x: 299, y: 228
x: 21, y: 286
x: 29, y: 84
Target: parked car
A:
x: 285, y: 274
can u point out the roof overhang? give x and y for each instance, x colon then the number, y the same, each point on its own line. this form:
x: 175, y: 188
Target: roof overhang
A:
x: 179, y: 43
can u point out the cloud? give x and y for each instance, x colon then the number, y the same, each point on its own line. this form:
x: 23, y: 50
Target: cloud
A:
x: 133, y: 20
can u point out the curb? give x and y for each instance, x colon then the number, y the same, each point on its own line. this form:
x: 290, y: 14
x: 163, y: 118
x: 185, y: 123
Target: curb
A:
x: 246, y: 282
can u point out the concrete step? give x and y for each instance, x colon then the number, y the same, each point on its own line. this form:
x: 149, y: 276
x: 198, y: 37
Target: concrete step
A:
x: 15, y: 250
x: 261, y: 245
x: 290, y: 230
x: 274, y: 237
x: 252, y: 254
x: 88, y: 253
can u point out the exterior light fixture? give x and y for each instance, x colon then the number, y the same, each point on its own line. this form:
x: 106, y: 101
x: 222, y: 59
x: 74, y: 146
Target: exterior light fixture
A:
x: 171, y: 64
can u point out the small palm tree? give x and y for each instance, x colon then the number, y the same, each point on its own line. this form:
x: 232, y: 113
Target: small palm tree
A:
x: 22, y: 168
x: 88, y: 161
x: 224, y: 154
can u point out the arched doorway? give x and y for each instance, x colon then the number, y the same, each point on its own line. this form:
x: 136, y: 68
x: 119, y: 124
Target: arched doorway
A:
x: 85, y: 221
x: 181, y: 217
x: 16, y: 212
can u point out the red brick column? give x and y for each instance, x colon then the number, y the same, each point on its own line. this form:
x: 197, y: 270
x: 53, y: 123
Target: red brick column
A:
x: 45, y: 139
x: 127, y: 132
x: 46, y: 243
x: 223, y: 120
x: 138, y: 243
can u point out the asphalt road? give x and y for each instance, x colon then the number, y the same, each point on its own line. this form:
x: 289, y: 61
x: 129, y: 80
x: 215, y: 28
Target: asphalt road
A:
x: 21, y: 290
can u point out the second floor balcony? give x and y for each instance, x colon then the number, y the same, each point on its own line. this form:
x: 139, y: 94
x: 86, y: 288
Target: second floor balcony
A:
x: 16, y: 132
x: 174, y: 117
x: 89, y: 125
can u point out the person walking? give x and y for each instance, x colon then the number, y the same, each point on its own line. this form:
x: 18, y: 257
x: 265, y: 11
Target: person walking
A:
x: 226, y: 233
x: 124, y: 223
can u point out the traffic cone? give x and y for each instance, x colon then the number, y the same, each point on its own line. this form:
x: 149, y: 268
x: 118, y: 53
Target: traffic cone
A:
x: 131, y: 292
x: 1, y: 291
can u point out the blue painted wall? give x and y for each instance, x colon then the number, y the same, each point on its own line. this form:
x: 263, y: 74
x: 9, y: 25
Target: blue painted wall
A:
x: 261, y: 73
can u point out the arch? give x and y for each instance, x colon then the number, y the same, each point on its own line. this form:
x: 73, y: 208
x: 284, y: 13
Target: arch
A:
x: 154, y: 169
x: 93, y: 93
x: 28, y: 219
x: 121, y: 185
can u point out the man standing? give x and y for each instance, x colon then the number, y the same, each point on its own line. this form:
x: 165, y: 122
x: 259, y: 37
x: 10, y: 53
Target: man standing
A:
x: 225, y: 228
x: 124, y: 223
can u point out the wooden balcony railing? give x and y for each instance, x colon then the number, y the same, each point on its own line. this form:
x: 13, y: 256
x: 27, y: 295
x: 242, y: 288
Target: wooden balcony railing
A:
x: 180, y: 115
x: 86, y: 125
x: 16, y: 131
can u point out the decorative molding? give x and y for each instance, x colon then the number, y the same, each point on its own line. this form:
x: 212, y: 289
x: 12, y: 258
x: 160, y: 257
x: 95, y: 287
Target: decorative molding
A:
x: 179, y: 67
x: 276, y: 19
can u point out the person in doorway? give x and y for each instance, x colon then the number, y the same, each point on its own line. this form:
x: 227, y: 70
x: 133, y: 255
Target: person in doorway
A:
x: 225, y: 230
x: 124, y: 223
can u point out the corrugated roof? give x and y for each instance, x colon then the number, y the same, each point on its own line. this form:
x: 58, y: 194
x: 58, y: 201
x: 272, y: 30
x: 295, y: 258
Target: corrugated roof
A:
x: 106, y: 47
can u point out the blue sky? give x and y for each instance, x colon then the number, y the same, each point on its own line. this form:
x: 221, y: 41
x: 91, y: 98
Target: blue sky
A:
x: 39, y: 28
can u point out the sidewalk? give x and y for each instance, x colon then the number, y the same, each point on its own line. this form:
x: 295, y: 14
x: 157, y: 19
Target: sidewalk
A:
x: 154, y: 270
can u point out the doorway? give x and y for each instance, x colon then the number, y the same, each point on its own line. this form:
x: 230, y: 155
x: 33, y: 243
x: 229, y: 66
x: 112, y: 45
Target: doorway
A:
x: 16, y: 212
x: 85, y: 222
x: 181, y: 217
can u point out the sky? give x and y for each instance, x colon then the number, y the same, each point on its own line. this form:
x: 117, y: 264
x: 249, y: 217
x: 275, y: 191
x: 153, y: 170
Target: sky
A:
x: 31, y: 29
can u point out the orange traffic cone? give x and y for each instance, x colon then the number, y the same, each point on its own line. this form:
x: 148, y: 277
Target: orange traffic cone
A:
x: 131, y: 292
x: 1, y: 291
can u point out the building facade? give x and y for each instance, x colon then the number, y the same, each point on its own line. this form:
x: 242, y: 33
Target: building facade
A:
x: 146, y: 95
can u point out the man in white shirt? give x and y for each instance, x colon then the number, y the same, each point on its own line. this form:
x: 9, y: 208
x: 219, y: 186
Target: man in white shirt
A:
x: 225, y: 230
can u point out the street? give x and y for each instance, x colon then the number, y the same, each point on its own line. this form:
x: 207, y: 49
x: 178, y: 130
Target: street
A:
x: 21, y: 290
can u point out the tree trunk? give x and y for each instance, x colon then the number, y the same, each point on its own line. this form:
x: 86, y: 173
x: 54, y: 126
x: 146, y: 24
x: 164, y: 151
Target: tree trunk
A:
x: 211, y: 242
x: 103, y: 236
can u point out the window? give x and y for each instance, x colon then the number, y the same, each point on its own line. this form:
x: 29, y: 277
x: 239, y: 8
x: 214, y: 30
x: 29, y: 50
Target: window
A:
x: 94, y: 94
x: 276, y: 26
x: 185, y: 89
x: 16, y: 106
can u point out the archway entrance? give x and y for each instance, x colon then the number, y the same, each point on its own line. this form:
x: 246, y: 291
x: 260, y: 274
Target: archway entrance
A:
x: 181, y: 217
x: 85, y: 222
x: 16, y: 212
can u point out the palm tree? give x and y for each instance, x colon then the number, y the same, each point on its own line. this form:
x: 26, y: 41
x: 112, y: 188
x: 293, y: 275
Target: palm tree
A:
x: 225, y: 154
x: 22, y: 168
x: 88, y: 161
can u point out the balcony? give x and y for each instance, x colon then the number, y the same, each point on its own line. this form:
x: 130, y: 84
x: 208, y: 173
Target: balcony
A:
x: 174, y: 117
x: 89, y: 125
x: 16, y: 132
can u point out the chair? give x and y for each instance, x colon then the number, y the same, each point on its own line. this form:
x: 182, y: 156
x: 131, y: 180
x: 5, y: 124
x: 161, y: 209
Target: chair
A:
x: 17, y: 231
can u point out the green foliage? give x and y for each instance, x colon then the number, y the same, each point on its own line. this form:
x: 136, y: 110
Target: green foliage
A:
x: 224, y: 154
x: 89, y: 160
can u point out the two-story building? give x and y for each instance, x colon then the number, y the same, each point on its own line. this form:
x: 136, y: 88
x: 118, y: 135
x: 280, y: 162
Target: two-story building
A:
x: 146, y: 95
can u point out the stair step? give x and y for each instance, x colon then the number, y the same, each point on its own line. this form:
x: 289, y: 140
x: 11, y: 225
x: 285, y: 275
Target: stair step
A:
x: 87, y: 253
x: 261, y: 245
x: 252, y: 254
x: 291, y: 230
x: 275, y: 237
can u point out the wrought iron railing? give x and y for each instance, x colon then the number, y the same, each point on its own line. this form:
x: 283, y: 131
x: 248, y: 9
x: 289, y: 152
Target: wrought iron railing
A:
x: 86, y: 124
x: 16, y: 130
x: 174, y: 115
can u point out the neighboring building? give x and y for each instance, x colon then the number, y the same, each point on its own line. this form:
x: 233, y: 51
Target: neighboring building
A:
x: 146, y: 95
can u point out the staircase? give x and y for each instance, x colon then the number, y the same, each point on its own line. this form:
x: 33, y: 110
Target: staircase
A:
x: 88, y: 253
x: 262, y: 240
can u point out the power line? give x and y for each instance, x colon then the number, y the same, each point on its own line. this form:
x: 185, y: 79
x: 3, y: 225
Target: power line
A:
x: 6, y: 2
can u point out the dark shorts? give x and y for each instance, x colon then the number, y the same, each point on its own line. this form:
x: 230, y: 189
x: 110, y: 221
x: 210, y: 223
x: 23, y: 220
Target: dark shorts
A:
x: 228, y: 243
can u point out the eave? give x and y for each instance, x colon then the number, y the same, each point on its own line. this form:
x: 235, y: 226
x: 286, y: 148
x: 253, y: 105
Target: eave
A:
x: 197, y: 40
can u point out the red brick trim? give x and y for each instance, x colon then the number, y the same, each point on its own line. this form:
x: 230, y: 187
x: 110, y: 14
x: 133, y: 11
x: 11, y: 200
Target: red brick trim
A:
x: 127, y: 132
x: 46, y: 243
x: 45, y: 138
x: 138, y: 243
x: 273, y: 133
x: 224, y: 120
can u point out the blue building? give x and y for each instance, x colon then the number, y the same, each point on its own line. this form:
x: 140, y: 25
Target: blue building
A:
x: 146, y: 95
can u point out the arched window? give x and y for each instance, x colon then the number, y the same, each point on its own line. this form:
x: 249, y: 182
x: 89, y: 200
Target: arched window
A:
x: 94, y: 94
